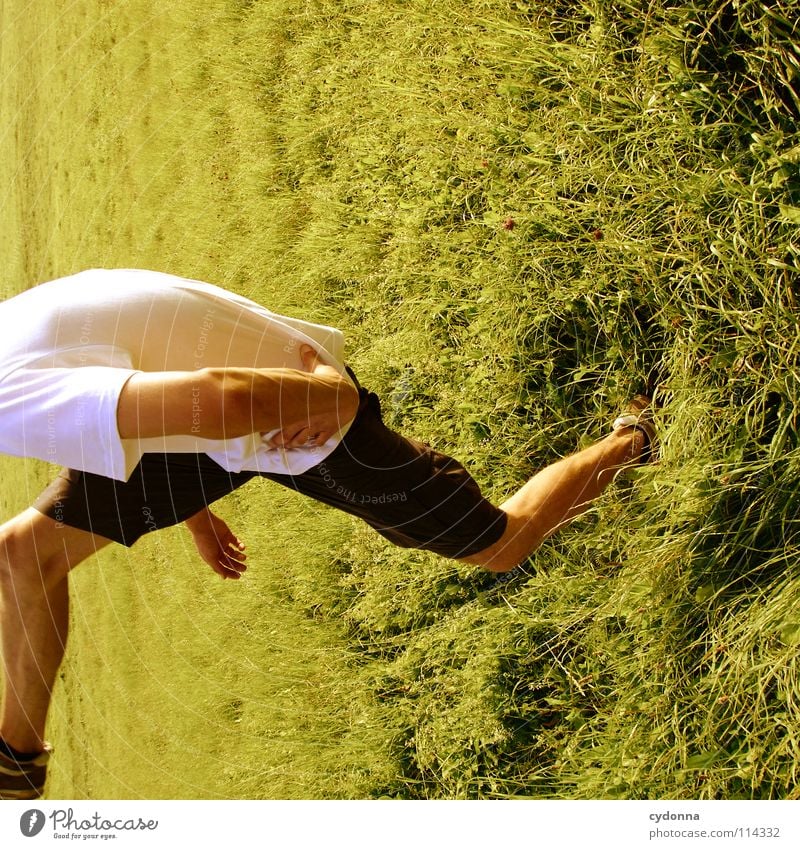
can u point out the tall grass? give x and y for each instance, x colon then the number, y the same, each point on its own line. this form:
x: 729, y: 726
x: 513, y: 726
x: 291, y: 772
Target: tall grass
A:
x: 525, y: 217
x: 520, y: 214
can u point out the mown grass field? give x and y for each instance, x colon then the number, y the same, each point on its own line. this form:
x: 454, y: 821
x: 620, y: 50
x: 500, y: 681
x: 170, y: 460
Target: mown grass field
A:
x: 520, y: 213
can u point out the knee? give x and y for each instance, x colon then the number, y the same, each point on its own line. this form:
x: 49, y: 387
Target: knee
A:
x: 23, y: 564
x: 512, y: 549
x: 10, y: 547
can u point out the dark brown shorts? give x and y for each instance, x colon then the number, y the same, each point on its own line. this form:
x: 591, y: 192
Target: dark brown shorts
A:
x: 412, y: 495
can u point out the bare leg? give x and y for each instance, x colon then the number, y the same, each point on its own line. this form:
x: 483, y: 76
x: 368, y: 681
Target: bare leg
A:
x: 36, y: 555
x: 556, y: 495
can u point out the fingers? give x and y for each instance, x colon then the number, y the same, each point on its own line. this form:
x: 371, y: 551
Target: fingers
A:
x: 225, y: 572
x: 291, y: 436
x: 237, y: 552
x: 231, y: 563
x: 228, y: 561
x: 299, y: 437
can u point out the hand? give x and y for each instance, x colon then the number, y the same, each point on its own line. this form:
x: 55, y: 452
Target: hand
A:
x: 316, y: 429
x: 217, y: 544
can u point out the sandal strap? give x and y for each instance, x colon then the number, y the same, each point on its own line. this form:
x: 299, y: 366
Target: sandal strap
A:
x: 625, y: 421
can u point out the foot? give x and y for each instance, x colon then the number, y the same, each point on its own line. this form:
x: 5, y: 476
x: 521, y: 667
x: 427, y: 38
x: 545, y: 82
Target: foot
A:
x: 639, y: 418
x: 23, y: 779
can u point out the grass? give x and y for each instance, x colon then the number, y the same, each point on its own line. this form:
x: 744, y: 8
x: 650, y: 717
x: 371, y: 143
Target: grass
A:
x: 519, y: 213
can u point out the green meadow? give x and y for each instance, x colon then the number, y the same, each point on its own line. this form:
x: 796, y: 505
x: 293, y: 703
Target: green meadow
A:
x: 520, y: 213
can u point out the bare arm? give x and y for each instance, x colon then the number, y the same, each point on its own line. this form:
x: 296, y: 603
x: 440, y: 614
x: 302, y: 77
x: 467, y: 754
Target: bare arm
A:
x: 223, y: 403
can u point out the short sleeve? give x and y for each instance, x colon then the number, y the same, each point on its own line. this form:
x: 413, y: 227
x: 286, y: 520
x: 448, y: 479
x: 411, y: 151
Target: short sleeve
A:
x: 67, y: 416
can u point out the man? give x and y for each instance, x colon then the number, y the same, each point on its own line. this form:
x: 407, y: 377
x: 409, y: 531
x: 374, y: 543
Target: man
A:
x: 160, y: 395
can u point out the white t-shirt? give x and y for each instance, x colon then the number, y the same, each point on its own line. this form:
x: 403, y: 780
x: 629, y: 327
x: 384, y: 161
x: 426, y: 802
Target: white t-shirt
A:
x: 69, y: 346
